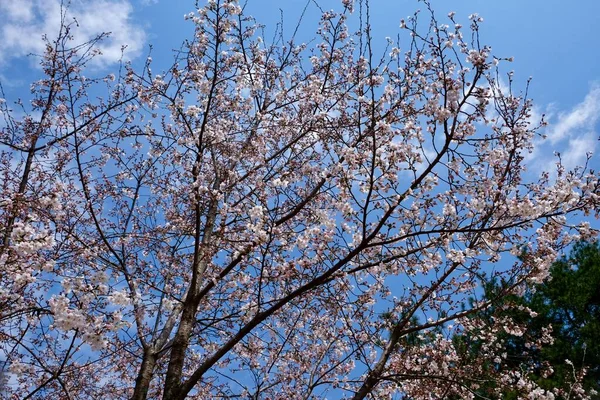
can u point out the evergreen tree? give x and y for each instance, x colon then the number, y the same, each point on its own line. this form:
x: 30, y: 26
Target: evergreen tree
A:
x: 569, y: 304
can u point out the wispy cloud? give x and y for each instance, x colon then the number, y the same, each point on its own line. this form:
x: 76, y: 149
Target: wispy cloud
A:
x: 578, y: 148
x: 582, y: 118
x: 24, y: 22
x: 572, y: 133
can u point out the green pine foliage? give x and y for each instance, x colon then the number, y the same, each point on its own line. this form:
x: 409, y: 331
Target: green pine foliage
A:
x: 570, y: 303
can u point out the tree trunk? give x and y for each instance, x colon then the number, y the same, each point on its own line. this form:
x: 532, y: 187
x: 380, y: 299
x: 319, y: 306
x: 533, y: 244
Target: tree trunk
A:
x: 142, y: 382
x: 178, y: 350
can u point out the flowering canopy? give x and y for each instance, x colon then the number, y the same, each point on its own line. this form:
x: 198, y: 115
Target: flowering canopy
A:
x: 272, y: 220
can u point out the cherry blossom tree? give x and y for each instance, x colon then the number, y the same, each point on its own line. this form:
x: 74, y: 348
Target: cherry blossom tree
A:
x: 274, y: 220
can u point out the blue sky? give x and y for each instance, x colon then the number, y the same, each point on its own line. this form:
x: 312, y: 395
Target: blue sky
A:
x: 553, y: 41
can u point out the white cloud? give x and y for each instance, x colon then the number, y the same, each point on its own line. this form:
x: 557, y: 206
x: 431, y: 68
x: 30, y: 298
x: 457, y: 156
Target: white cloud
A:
x: 24, y: 22
x: 583, y: 117
x: 20, y: 11
x: 571, y: 133
x: 575, y: 153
